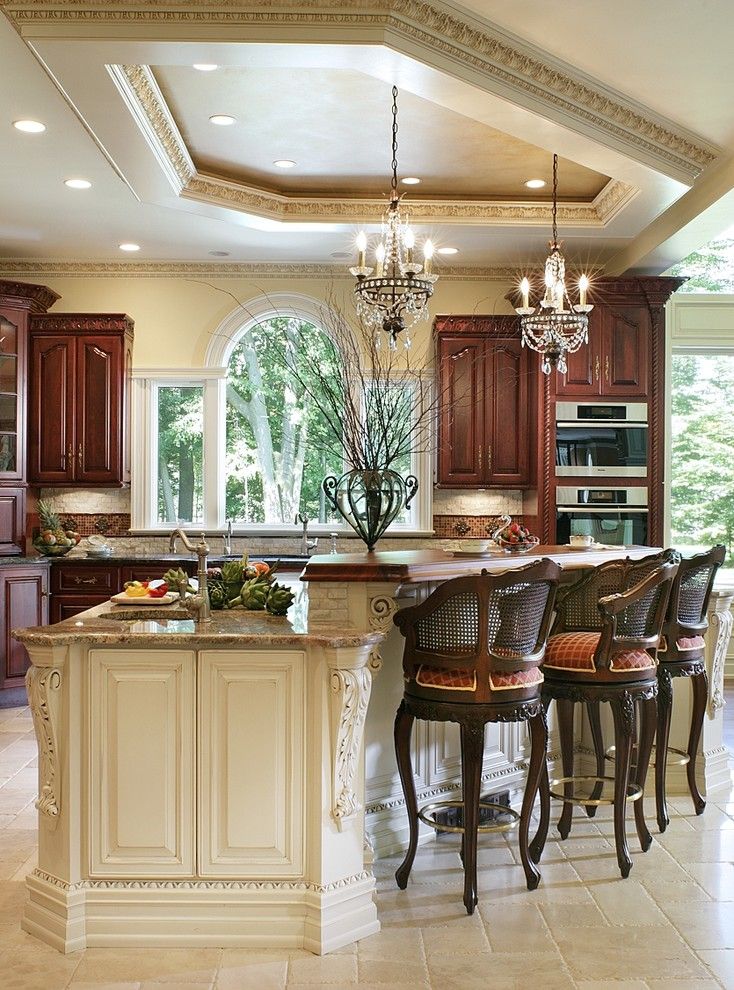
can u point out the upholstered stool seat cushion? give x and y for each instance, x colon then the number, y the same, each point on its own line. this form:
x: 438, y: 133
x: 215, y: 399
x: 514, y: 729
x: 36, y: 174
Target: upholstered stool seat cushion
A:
x: 574, y: 651
x: 685, y: 644
x: 466, y: 680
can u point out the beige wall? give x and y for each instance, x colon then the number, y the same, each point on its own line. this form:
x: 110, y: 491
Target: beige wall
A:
x: 176, y: 316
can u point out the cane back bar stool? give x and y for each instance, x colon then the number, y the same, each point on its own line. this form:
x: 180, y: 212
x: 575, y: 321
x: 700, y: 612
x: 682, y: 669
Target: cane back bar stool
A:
x: 681, y: 654
x: 618, y: 665
x: 472, y: 655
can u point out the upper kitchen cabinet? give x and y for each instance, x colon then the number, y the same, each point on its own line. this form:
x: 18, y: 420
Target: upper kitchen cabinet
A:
x: 626, y: 323
x: 79, y: 399
x: 484, y: 410
x: 18, y: 301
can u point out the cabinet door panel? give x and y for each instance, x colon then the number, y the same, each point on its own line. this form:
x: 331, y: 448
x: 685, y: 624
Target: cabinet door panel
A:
x: 51, y: 410
x: 627, y: 336
x: 461, y: 423
x: 98, y: 426
x: 142, y: 770
x: 584, y: 365
x: 508, y: 439
x: 12, y: 520
x: 13, y: 359
x: 251, y: 763
x: 24, y: 601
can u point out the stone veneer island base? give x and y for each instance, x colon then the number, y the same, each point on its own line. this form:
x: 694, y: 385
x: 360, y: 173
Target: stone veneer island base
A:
x: 207, y: 784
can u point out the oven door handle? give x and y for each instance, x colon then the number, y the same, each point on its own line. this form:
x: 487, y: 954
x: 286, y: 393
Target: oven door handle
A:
x: 604, y: 424
x: 600, y: 508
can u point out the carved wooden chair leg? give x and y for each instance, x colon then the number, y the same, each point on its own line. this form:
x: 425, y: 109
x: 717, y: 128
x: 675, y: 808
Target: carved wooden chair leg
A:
x: 623, y: 710
x: 538, y: 844
x: 648, y: 720
x: 564, y: 708
x: 471, y: 776
x: 463, y: 834
x: 403, y: 729
x: 592, y: 709
x: 699, y: 685
x: 538, y: 744
x: 665, y: 705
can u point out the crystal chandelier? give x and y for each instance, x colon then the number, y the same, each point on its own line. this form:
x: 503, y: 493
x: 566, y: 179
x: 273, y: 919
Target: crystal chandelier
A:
x: 394, y: 294
x: 556, y: 326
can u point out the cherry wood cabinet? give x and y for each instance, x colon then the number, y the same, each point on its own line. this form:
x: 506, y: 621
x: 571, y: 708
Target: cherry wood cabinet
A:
x: 24, y: 602
x: 79, y: 399
x: 615, y: 362
x: 484, y: 409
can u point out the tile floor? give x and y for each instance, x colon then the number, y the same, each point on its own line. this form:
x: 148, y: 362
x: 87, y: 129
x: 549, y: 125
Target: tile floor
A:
x: 669, y: 926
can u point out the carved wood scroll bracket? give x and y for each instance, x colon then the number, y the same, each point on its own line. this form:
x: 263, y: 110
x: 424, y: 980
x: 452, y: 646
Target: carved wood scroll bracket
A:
x: 722, y: 621
x: 350, y: 686
x: 43, y: 686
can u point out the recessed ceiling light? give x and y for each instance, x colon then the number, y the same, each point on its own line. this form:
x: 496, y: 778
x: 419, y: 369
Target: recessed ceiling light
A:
x: 205, y: 66
x: 219, y: 254
x: 447, y: 250
x: 284, y: 163
x: 78, y: 183
x: 535, y: 183
x: 222, y: 119
x: 410, y: 180
x: 29, y: 126
x: 129, y: 246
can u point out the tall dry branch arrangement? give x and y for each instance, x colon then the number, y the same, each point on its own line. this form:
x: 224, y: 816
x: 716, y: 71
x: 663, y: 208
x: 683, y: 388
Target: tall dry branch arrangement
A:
x: 378, y: 404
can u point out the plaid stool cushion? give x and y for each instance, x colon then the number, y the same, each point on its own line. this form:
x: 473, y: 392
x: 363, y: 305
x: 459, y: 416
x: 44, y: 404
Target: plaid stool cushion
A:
x: 690, y: 643
x: 446, y: 680
x: 575, y: 651
x: 517, y: 679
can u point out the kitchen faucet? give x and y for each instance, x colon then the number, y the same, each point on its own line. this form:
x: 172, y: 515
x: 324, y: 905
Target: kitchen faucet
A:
x: 306, y: 545
x: 197, y: 604
x: 227, y: 548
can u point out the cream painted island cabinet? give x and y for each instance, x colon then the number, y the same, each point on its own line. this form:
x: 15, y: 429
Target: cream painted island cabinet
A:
x: 199, y: 783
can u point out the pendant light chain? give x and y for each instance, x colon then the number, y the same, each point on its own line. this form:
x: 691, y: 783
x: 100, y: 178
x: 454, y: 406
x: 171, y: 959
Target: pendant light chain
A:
x: 394, y: 183
x: 555, y: 199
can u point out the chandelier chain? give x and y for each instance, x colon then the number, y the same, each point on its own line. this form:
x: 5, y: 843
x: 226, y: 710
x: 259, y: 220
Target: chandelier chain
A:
x: 394, y: 183
x: 555, y: 199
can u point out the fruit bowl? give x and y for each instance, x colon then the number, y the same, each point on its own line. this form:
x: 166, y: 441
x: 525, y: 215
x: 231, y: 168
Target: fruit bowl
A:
x: 52, y: 549
x: 524, y: 547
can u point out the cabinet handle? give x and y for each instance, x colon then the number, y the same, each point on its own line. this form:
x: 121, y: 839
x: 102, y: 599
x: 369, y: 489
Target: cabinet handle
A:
x: 606, y: 369
x: 596, y: 368
x: 44, y: 594
x: 81, y: 580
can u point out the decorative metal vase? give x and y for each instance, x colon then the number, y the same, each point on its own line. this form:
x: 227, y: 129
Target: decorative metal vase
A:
x: 370, y: 499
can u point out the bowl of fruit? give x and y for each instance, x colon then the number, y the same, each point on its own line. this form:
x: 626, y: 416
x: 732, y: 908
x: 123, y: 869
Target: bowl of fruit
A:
x: 515, y: 538
x: 52, y: 539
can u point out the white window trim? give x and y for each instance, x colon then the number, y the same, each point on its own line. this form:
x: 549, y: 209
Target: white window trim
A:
x: 213, y: 377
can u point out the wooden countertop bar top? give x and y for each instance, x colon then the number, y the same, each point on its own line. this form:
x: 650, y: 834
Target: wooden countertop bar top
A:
x: 417, y: 566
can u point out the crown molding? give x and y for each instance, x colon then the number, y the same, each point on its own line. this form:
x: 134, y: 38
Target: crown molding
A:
x: 439, y: 34
x: 145, y: 101
x: 50, y: 268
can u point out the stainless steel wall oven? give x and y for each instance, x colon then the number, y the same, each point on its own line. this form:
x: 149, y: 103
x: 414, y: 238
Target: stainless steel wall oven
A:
x: 594, y: 439
x: 613, y: 516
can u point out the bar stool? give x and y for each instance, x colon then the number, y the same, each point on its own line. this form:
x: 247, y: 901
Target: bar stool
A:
x: 472, y: 655
x: 616, y: 664
x: 681, y: 654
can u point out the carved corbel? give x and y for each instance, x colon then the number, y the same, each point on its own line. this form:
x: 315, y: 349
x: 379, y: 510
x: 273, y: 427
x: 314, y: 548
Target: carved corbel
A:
x: 722, y: 621
x: 43, y: 685
x: 350, y: 686
x: 382, y: 608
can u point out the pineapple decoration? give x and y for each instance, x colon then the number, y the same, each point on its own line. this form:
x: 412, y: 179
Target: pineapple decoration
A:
x: 53, y: 540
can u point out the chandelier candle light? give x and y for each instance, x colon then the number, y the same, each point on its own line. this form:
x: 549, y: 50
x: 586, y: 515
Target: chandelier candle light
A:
x: 393, y: 295
x: 556, y: 326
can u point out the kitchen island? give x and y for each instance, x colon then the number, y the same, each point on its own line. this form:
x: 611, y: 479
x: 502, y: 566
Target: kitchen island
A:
x: 207, y: 783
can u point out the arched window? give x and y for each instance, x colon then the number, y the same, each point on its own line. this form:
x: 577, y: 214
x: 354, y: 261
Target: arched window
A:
x: 241, y: 439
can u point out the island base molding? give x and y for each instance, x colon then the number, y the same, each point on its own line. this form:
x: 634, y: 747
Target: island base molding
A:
x: 175, y: 914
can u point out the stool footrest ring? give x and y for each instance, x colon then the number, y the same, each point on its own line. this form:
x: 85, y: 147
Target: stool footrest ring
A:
x: 684, y: 757
x: 634, y: 791
x: 427, y: 809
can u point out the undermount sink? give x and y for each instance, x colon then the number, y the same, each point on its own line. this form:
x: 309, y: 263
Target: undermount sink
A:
x: 149, y: 612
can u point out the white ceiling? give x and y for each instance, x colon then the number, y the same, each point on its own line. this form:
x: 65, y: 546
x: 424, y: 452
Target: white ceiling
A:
x: 645, y: 79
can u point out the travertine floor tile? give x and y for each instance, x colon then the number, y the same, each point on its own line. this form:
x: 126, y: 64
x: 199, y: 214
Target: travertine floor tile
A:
x: 323, y: 970
x: 628, y: 953
x: 709, y: 926
x: 721, y: 963
x: 162, y: 965
x: 626, y: 903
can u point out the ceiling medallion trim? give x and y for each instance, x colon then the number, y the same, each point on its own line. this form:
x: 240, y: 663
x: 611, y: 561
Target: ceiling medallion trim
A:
x: 145, y: 101
x: 495, y: 54
x: 216, y: 269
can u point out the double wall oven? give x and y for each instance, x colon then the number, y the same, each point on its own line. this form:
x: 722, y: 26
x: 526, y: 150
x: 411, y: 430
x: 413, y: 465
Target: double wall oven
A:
x: 599, y: 446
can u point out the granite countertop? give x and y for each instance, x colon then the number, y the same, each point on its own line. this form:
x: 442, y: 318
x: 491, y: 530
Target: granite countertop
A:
x: 169, y: 625
x: 80, y: 557
x: 15, y: 561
